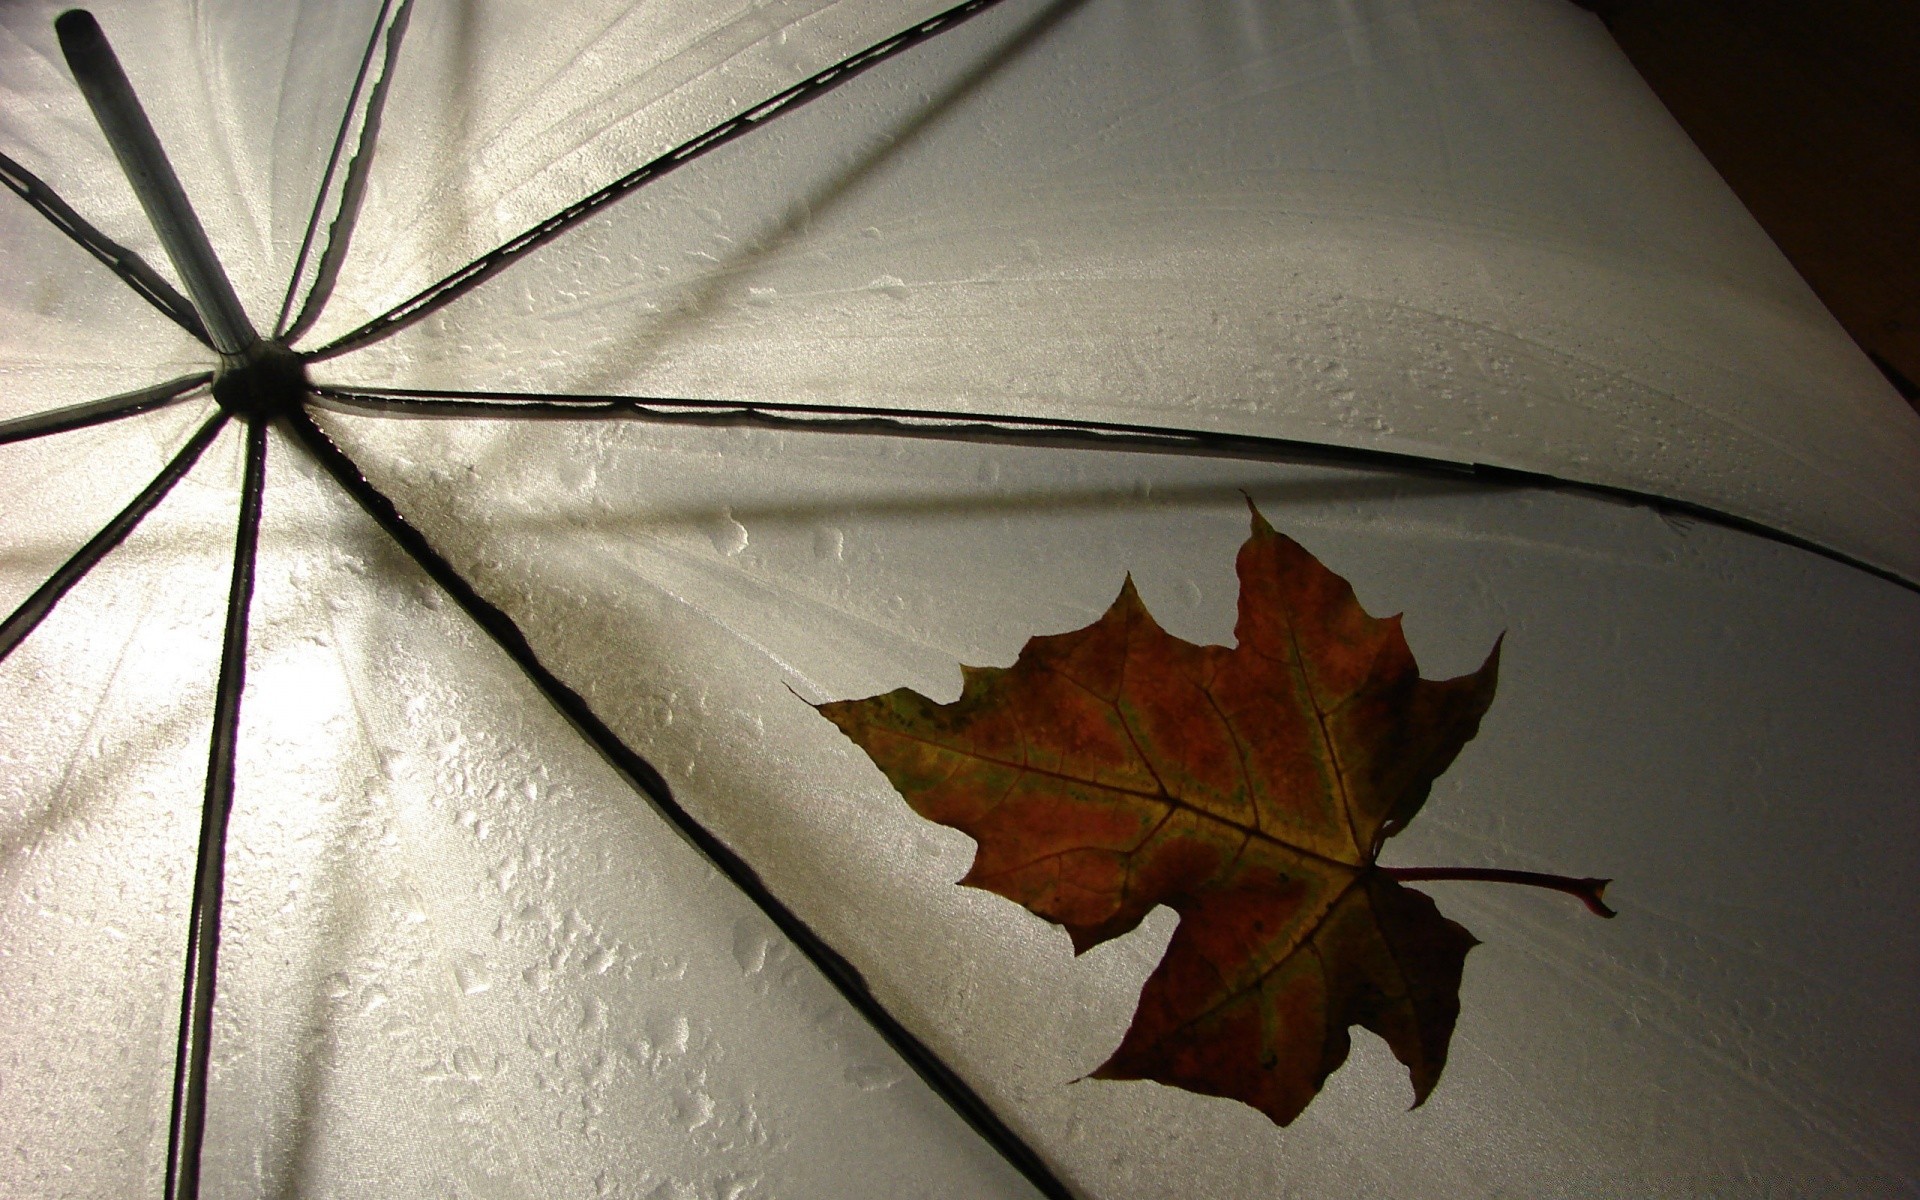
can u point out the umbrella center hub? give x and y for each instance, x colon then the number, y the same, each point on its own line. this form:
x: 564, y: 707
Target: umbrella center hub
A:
x: 264, y: 380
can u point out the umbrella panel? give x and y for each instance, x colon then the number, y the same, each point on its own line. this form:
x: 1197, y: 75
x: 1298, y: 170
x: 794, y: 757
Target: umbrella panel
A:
x: 63, y: 491
x: 522, y: 124
x: 1459, y: 231
x: 106, y: 764
x: 74, y: 332
x: 384, y: 928
x: 459, y: 949
x: 686, y: 579
x: 678, y: 601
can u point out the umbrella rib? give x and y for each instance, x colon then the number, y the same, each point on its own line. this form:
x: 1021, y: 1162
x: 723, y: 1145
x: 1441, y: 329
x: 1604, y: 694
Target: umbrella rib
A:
x: 353, y: 190
x: 1005, y: 430
x: 99, y: 412
x: 445, y: 291
x: 36, y: 607
x: 648, y: 782
x: 190, y: 1065
x: 133, y: 270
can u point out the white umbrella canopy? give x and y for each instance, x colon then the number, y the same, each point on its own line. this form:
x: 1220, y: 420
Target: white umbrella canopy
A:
x: 461, y: 955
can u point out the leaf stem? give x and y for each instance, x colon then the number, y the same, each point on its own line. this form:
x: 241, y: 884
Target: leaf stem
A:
x: 1587, y: 891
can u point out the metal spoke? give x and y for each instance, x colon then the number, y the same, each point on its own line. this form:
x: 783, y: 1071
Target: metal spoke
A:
x: 1009, y: 430
x: 99, y: 412
x: 130, y: 267
x: 188, y: 1127
x: 35, y: 608
x: 647, y: 781
x: 287, y: 328
x: 438, y: 295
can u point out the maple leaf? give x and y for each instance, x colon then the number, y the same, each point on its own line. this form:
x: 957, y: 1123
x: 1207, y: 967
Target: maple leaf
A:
x: 1117, y: 767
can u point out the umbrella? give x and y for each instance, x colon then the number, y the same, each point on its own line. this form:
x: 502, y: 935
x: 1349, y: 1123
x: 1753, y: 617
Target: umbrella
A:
x: 1126, y: 264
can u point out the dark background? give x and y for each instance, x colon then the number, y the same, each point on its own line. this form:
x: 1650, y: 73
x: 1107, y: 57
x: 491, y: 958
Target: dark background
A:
x: 1811, y: 112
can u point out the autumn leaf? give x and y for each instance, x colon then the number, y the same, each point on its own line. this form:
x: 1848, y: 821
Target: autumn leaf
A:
x: 1117, y: 767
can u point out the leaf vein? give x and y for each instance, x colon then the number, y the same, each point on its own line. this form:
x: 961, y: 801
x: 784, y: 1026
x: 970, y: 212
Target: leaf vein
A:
x: 1299, y: 667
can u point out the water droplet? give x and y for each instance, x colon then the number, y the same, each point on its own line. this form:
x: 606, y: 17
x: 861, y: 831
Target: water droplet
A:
x: 466, y: 1064
x: 693, y: 1109
x: 831, y: 543
x: 665, y: 1037
x: 472, y: 976
x: 503, y: 875
x: 872, y: 1078
x: 749, y: 949
x: 729, y: 536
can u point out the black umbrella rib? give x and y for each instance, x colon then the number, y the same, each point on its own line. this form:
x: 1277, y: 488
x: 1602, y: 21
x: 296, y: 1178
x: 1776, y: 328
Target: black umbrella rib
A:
x: 188, y: 1126
x: 340, y: 233
x: 1007, y: 430
x: 130, y: 267
x: 440, y: 294
x: 99, y: 412
x: 35, y: 608
x: 648, y: 782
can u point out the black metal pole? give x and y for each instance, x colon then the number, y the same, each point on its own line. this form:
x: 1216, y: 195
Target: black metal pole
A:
x: 125, y: 124
x: 203, y: 924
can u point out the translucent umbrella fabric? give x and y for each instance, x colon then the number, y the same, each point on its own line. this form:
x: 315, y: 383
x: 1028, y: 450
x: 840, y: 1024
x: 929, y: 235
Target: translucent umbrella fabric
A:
x: 462, y: 956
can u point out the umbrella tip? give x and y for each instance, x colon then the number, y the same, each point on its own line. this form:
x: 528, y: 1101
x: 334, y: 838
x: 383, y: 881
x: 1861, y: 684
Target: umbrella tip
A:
x: 77, y: 29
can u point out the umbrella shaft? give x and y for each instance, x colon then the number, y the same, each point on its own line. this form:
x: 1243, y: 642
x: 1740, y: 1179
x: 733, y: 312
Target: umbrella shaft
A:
x: 124, y: 122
